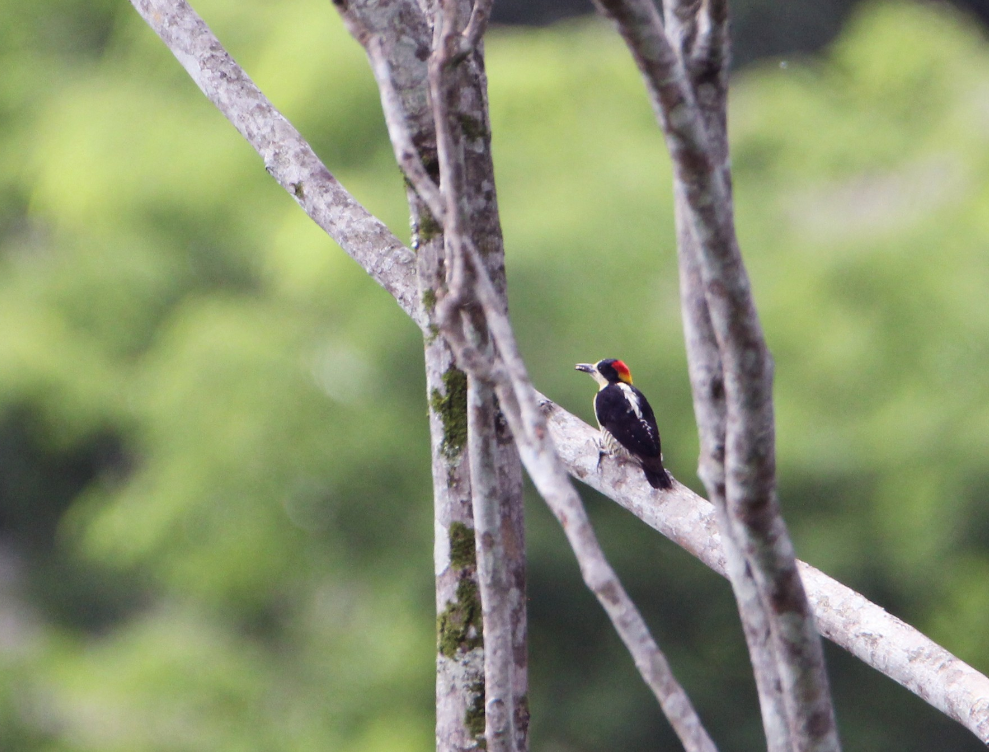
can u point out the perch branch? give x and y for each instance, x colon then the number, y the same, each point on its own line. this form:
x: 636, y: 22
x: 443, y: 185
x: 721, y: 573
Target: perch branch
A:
x: 845, y: 617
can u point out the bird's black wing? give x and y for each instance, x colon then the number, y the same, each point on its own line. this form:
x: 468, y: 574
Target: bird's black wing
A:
x: 636, y: 432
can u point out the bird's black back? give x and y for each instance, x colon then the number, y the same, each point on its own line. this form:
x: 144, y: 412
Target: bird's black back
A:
x: 615, y: 414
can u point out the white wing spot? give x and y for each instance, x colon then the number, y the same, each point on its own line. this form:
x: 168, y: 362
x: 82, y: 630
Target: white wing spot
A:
x: 633, y: 399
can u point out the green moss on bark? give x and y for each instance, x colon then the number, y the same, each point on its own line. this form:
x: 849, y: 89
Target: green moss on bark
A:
x: 452, y: 409
x: 428, y: 226
x: 429, y: 298
x: 473, y: 128
x: 460, y: 626
x: 474, y: 716
x: 463, y: 550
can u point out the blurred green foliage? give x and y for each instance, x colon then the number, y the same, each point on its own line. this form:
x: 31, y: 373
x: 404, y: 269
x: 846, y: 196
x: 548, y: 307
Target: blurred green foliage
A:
x: 215, y: 523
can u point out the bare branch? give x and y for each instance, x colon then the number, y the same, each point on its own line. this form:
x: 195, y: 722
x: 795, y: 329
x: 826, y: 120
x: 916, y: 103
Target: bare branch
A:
x: 680, y: 18
x: 479, y: 16
x: 709, y: 80
x: 405, y: 151
x: 845, y: 617
x: 287, y: 156
x: 711, y: 48
x: 707, y: 385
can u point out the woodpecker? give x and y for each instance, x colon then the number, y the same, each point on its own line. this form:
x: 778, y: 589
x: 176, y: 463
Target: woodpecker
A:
x: 628, y: 426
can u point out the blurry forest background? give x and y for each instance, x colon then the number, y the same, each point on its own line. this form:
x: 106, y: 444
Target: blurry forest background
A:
x: 215, y: 502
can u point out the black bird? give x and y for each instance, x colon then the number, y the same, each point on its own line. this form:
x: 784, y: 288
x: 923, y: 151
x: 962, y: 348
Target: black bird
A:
x: 628, y: 426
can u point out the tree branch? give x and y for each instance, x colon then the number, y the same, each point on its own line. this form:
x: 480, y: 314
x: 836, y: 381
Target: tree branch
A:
x: 845, y: 617
x: 710, y: 87
x: 406, y: 153
x: 479, y: 16
x: 707, y: 386
x: 287, y: 156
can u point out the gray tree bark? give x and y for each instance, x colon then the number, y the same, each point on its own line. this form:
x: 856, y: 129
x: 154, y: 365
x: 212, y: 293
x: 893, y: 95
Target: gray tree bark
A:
x: 482, y: 670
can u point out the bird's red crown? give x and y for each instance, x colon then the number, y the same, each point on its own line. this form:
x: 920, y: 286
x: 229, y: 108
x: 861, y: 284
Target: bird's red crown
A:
x: 623, y: 373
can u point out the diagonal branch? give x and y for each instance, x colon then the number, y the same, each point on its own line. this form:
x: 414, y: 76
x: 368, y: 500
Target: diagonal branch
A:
x: 479, y: 16
x: 288, y: 158
x: 524, y: 413
x: 406, y: 154
x: 844, y: 616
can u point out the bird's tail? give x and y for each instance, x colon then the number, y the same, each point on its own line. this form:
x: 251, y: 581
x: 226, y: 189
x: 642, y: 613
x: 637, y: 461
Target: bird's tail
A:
x: 658, y: 477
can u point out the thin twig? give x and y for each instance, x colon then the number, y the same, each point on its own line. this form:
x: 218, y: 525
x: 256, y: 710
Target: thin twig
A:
x: 406, y: 153
x: 479, y: 16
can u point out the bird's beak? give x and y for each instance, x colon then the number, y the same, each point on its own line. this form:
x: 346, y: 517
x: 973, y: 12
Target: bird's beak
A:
x: 586, y: 367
